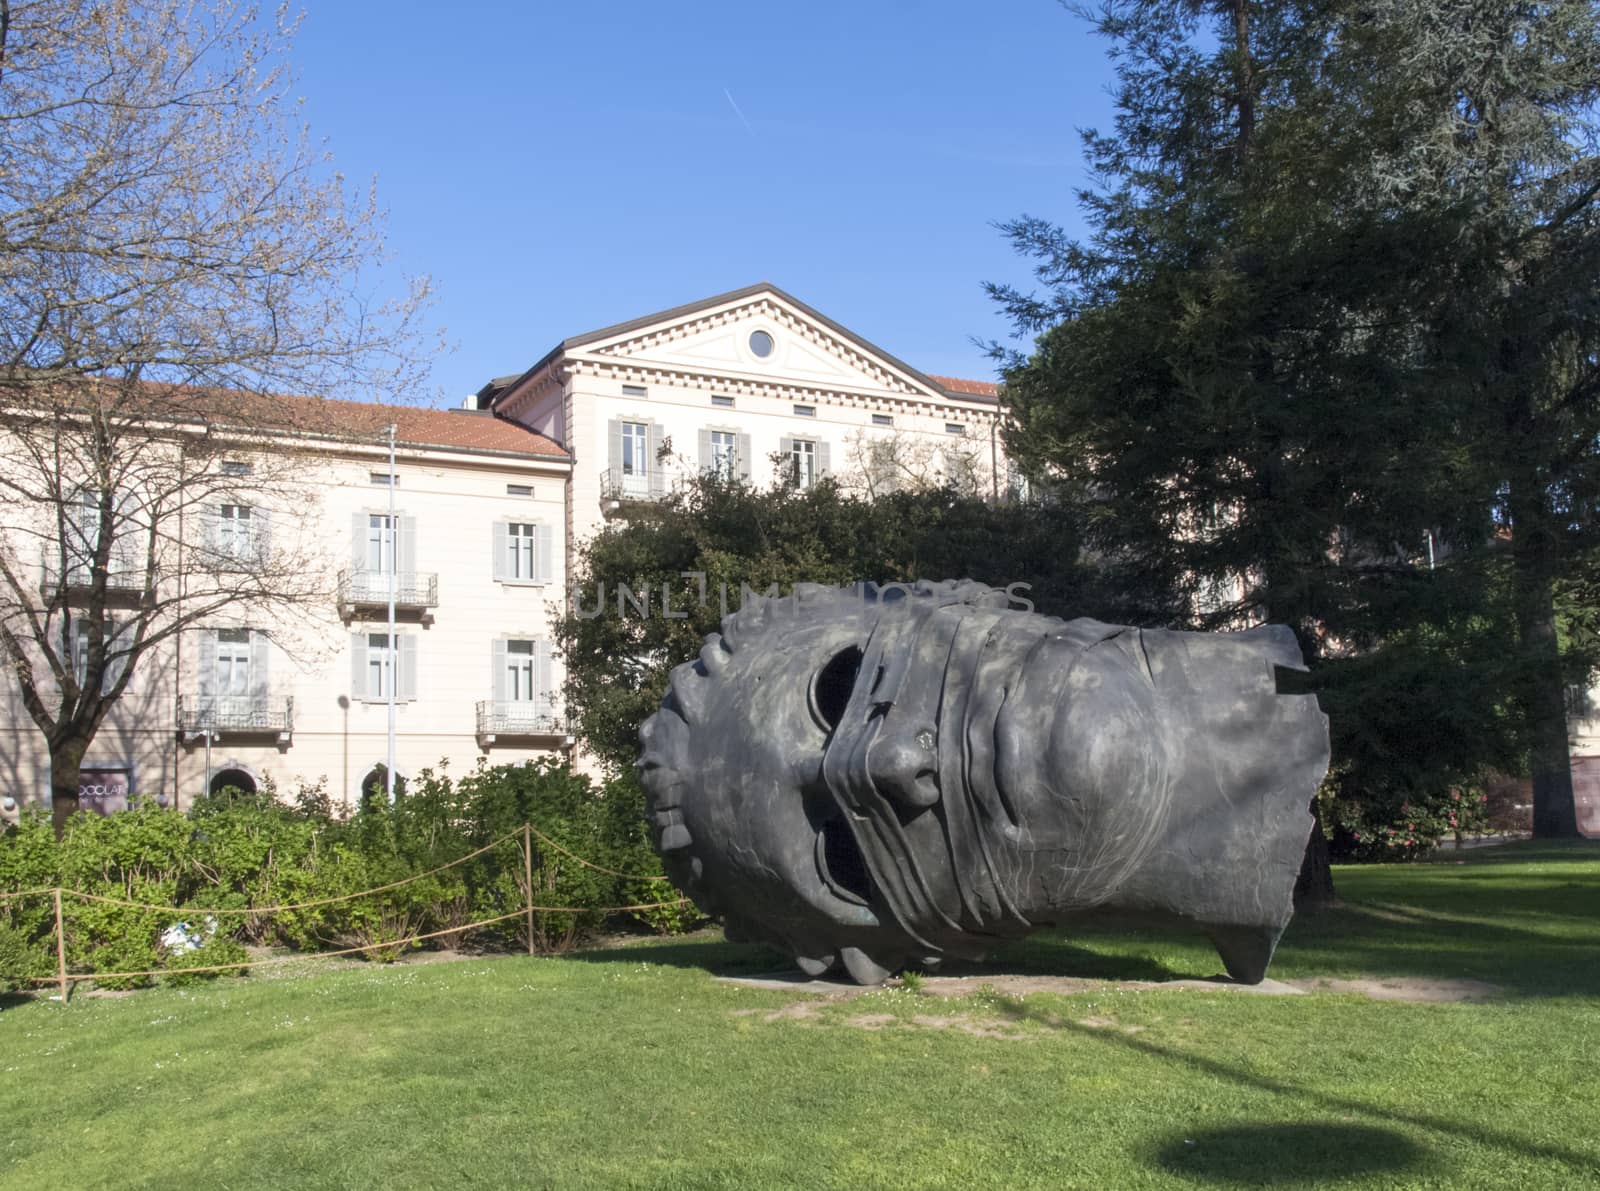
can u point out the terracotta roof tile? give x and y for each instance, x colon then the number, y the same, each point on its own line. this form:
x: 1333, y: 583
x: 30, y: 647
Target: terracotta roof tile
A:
x: 417, y: 425
x: 973, y: 388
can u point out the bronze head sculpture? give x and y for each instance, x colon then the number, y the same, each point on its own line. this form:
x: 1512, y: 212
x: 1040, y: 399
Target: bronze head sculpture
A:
x: 869, y: 777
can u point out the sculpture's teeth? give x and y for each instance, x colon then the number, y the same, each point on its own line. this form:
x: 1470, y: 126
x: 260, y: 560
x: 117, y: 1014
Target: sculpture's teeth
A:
x: 675, y: 838
x: 862, y: 967
x: 814, y: 966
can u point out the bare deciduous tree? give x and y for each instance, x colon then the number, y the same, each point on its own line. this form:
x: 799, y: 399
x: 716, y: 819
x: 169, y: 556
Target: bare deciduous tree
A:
x: 172, y: 250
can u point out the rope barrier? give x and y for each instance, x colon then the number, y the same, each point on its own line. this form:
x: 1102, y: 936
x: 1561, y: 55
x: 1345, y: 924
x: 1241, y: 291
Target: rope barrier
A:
x: 21, y: 893
x: 322, y: 901
x: 610, y: 872
x: 285, y: 959
x: 65, y: 978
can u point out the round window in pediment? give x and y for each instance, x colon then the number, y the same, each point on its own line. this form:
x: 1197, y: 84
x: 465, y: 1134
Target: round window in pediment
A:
x: 761, y: 344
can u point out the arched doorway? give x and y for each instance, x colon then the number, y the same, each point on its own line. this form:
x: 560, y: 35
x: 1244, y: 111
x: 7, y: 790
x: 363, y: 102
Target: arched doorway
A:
x: 374, y: 785
x: 238, y: 780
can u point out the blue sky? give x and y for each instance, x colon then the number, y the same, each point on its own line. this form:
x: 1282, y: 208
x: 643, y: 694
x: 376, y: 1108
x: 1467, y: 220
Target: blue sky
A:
x: 559, y: 167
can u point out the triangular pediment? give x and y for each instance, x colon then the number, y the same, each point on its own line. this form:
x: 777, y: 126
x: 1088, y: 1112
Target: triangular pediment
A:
x: 727, y: 337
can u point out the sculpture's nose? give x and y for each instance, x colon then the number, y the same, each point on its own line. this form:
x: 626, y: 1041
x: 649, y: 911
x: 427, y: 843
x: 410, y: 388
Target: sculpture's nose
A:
x: 904, y: 765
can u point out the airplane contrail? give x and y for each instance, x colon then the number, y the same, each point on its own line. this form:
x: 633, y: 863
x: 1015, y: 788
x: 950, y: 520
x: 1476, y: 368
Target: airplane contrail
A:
x: 737, y: 112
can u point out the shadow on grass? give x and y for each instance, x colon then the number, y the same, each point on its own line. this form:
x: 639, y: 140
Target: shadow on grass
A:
x: 1524, y: 918
x: 1298, y: 1153
x: 1586, y: 1165
x: 709, y: 952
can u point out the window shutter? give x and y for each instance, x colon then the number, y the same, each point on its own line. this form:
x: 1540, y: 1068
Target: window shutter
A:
x: 211, y: 529
x: 358, y: 666
x: 358, y: 541
x: 72, y: 654
x: 544, y: 696
x: 406, y: 558
x: 119, y: 635
x: 261, y: 530
x: 260, y: 644
x: 497, y: 680
x: 823, y: 460
x: 544, y: 553
x: 654, y: 466
x: 744, y: 457
x: 407, y: 688
x: 614, y: 437
x: 788, y: 473
x: 208, y: 666
x: 706, y: 461
x: 501, y: 550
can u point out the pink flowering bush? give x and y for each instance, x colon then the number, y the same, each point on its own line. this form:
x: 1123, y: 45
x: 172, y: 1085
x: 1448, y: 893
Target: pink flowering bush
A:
x: 1401, y: 825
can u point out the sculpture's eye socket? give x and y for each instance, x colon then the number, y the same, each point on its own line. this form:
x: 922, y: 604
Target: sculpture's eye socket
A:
x: 831, y: 687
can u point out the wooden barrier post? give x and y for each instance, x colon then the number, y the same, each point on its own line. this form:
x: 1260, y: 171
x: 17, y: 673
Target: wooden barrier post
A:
x: 527, y: 873
x: 61, y: 948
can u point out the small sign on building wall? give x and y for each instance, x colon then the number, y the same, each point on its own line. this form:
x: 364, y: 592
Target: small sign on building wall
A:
x: 103, y: 790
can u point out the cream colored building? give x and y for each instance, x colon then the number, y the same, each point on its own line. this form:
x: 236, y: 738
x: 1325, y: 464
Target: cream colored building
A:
x: 489, y: 504
x: 473, y: 546
x: 746, y: 382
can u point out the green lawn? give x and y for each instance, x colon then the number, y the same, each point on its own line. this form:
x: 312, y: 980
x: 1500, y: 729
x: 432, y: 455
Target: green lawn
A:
x: 632, y: 1067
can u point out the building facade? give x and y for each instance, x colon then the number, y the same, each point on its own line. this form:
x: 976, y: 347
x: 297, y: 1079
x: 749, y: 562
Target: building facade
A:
x: 475, y: 538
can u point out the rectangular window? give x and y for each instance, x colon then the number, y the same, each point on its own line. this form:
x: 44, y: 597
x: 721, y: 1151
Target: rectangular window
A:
x: 635, y: 458
x: 235, y: 467
x: 521, y: 539
x: 805, y: 411
x: 520, y: 672
x: 954, y: 428
x: 725, y: 453
x: 77, y: 645
x: 380, y: 543
x: 380, y: 665
x: 803, y: 459
x: 234, y: 531
x: 381, y: 479
x: 519, y: 489
x: 882, y: 420
x: 635, y: 391
x: 721, y: 401
x: 233, y: 663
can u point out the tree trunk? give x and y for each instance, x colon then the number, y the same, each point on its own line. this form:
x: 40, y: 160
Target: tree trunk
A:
x: 66, y: 760
x: 1314, y: 890
x: 1555, y: 812
x: 1542, y: 691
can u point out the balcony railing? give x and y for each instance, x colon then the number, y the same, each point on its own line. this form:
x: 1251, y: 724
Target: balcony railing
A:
x: 124, y: 574
x: 236, y: 715
x: 619, y: 491
x: 537, y: 718
x: 413, y: 590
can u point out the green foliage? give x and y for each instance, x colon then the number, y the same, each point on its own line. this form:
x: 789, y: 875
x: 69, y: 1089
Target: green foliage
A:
x: 1388, y: 826
x: 253, y: 853
x: 740, y: 538
x: 1326, y: 357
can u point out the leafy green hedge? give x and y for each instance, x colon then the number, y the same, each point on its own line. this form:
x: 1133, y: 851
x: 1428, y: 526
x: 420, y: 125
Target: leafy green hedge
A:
x: 235, y: 852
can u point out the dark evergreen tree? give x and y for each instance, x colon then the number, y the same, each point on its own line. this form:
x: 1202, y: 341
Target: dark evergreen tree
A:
x: 1327, y: 356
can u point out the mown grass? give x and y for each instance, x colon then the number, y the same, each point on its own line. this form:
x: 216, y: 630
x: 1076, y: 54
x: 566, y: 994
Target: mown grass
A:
x: 631, y: 1066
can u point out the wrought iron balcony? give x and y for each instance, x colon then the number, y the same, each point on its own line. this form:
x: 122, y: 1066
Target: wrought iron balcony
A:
x: 125, y: 574
x: 414, y: 591
x: 536, y: 718
x: 236, y: 715
x: 619, y: 491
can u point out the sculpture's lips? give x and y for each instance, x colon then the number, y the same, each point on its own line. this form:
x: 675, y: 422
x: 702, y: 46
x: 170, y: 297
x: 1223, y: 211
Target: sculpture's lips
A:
x: 841, y: 865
